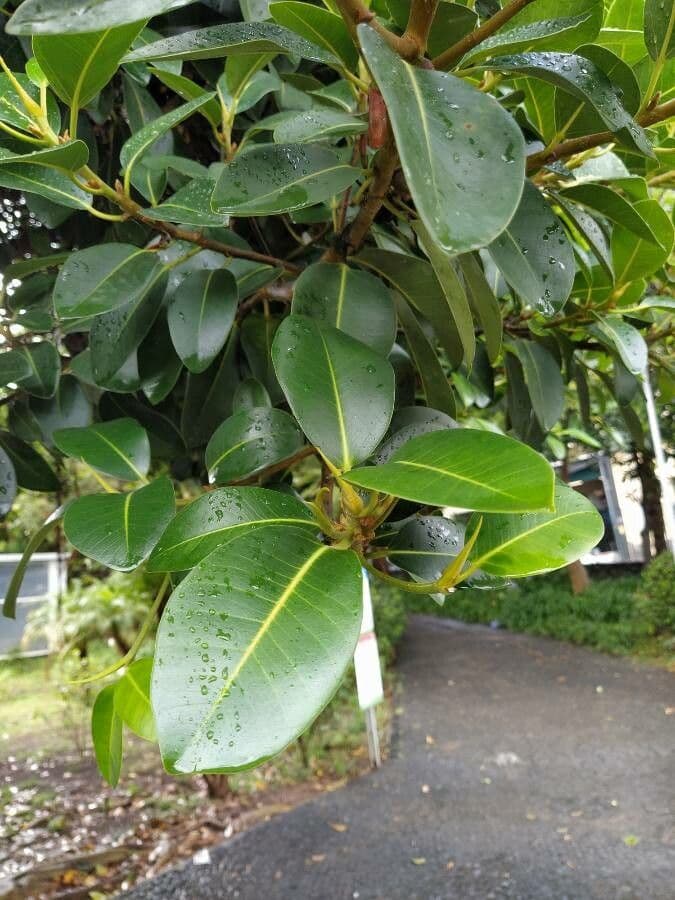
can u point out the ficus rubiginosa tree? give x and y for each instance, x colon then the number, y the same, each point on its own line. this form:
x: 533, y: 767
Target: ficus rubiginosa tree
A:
x: 291, y: 285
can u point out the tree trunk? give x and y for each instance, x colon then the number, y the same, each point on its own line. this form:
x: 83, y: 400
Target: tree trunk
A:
x: 654, y: 531
x: 578, y: 577
x: 217, y: 786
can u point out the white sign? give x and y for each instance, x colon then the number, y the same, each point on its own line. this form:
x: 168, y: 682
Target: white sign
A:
x: 366, y: 656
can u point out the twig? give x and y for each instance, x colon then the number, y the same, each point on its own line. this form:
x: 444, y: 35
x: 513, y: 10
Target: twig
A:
x: 471, y: 40
x: 417, y: 30
x: 355, y: 13
x: 579, y: 145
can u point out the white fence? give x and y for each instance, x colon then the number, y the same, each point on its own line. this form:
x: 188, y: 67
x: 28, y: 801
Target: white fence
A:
x: 44, y: 581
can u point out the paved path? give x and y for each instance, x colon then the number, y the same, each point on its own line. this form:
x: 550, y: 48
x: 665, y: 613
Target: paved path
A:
x: 522, y: 768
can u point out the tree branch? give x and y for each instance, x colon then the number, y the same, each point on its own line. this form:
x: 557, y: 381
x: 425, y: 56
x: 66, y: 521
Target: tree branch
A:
x: 471, y: 40
x: 355, y: 13
x: 421, y: 16
x: 579, y: 145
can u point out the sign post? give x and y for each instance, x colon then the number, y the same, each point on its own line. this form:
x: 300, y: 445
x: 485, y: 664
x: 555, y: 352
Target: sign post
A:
x: 369, y: 674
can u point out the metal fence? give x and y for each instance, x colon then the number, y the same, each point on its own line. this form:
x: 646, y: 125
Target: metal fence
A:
x: 44, y: 581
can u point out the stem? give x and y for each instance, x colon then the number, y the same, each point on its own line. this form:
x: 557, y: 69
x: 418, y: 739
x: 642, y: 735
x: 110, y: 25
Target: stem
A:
x: 421, y: 16
x: 579, y: 145
x: 138, y: 641
x: 355, y: 13
x: 22, y: 137
x: 413, y: 587
x: 471, y: 40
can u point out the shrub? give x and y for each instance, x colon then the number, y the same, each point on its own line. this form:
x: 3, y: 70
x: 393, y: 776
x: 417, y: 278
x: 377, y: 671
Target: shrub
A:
x: 656, y: 596
x: 391, y: 615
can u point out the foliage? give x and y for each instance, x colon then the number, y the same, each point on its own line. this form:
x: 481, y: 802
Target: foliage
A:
x: 348, y: 266
x: 656, y: 597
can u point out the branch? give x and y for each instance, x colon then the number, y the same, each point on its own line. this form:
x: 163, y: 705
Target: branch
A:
x: 355, y: 13
x: 421, y: 17
x: 471, y: 40
x: 579, y: 145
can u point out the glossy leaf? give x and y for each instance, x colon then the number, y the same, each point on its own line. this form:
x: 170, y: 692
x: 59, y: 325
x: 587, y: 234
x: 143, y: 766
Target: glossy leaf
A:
x: 435, y: 384
x: 14, y: 366
x: 425, y: 546
x: 106, y: 733
x: 318, y: 26
x: 190, y: 205
x: 638, y: 258
x: 249, y: 394
x: 277, y: 178
x: 70, y: 156
x: 200, y: 316
x: 79, y: 65
x: 132, y: 699
x: 159, y: 366
x: 120, y: 530
x: 534, y: 254
x: 45, y: 369
x: 102, y: 278
x: 31, y: 178
x: 188, y: 90
x: 68, y: 408
x: 277, y: 651
x: 32, y: 470
x: 257, y: 335
x: 618, y: 335
x: 462, y: 154
x: 583, y: 79
x: 544, y: 381
x: 483, y: 303
x: 592, y: 233
x: 317, y: 125
x: 140, y: 142
x: 533, y: 543
x: 340, y: 391
x: 612, y: 205
x: 231, y: 39
x: 119, y: 448
x: 409, y: 422
x: 249, y: 441
x: 659, y: 25
x: 353, y: 301
x: 12, y: 110
x: 216, y: 517
x: 8, y: 483
x: 38, y: 17
x: 464, y: 468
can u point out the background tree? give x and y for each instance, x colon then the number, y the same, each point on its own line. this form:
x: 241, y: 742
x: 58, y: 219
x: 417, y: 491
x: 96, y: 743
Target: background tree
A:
x: 344, y: 257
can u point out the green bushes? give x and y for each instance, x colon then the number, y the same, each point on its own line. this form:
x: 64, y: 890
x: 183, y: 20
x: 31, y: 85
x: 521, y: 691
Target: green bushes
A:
x: 656, y: 596
x: 615, y: 614
x: 391, y: 614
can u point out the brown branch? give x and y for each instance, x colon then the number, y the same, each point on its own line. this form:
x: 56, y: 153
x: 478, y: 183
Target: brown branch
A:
x: 280, y: 293
x: 471, y: 40
x: 587, y: 142
x: 421, y: 17
x: 355, y: 13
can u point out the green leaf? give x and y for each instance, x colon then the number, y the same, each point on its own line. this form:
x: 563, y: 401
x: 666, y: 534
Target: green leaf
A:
x: 463, y: 156
x: 12, y: 110
x: 142, y: 109
x: 340, y: 391
x: 353, y: 301
x: 30, y: 178
x: 437, y: 391
x: 416, y: 280
x: 190, y: 205
x: 539, y: 542
x: 33, y: 473
x: 106, y: 732
x: 409, y: 422
x: 257, y: 335
x: 14, y: 367
x: 159, y: 367
x: 21, y: 267
x: 218, y: 516
x: 425, y: 546
x: 132, y: 699
x: 549, y: 24
x: 119, y: 448
x: 116, y: 335
x: 318, y: 26
x: 249, y: 441
x: 208, y: 396
x: 249, y: 394
x: 635, y: 258
x: 591, y: 232
x: 451, y: 22
x: 68, y: 408
x: 660, y: 29
x: 70, y: 156
x: 583, y: 79
x: 457, y: 303
x: 466, y: 469
x: 280, y: 649
x: 232, y: 39
x: 483, y: 303
x: 317, y: 125
x: 612, y: 205
x: 140, y: 142
x: 79, y: 65
x: 36, y: 539
x: 188, y: 90
x: 544, y: 381
x: 200, y: 315
x: 276, y: 178
x: 534, y: 254
x: 45, y: 366
x: 38, y: 17
x: 619, y: 336
x: 8, y: 483
x: 120, y: 530
x: 103, y: 278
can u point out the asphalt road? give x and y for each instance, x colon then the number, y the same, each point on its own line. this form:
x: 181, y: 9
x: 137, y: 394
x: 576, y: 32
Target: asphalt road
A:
x: 521, y: 768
